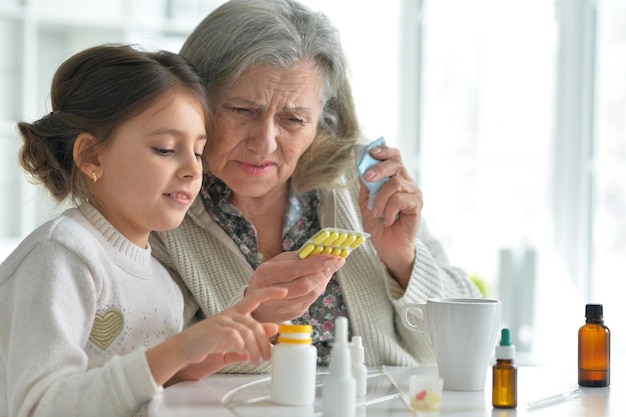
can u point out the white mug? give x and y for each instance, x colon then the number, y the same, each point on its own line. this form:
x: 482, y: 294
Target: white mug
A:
x: 463, y: 332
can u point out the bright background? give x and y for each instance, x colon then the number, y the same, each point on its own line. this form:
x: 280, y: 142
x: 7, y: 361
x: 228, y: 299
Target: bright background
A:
x: 511, y: 115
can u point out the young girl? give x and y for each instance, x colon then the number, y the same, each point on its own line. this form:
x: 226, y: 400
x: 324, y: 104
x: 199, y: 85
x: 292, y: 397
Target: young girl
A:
x: 90, y: 322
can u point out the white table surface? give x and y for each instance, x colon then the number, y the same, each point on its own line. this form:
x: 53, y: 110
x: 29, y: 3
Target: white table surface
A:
x: 248, y: 395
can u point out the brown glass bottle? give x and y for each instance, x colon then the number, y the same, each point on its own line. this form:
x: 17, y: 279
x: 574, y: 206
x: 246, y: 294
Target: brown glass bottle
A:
x: 504, y: 374
x: 594, y: 349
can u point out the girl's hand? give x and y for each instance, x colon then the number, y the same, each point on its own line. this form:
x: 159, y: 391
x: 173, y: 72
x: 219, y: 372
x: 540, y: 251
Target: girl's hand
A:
x: 234, y: 330
x: 211, y: 364
x: 208, y: 346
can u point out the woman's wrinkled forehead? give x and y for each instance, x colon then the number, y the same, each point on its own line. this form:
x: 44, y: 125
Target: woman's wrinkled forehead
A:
x: 299, y: 66
x: 295, y: 88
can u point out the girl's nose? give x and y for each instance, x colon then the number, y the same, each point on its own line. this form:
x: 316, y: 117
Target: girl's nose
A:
x: 192, y: 166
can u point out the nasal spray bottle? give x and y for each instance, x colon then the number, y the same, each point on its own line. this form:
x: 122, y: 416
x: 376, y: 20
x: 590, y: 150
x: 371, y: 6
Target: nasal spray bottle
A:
x: 359, y: 370
x: 339, y: 391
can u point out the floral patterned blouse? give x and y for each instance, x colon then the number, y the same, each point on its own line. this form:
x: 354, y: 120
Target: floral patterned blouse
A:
x: 301, y: 222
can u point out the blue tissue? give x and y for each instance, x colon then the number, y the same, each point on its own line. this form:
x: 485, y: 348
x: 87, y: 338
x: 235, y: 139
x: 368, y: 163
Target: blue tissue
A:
x: 365, y: 161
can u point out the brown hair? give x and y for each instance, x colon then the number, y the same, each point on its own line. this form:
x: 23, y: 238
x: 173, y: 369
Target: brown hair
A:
x: 95, y: 91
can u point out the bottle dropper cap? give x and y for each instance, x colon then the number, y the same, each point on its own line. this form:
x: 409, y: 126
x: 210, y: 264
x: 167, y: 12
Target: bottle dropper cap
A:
x: 505, y: 350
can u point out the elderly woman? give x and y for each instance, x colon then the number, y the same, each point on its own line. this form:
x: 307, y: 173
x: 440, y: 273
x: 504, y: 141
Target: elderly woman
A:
x: 280, y: 166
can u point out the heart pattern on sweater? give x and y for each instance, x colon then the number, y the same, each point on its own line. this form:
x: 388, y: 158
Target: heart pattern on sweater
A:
x: 106, y: 327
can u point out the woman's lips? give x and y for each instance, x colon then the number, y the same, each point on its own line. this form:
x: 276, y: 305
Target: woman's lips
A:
x: 257, y: 169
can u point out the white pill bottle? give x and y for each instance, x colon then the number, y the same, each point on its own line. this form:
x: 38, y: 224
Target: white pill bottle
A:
x: 294, y: 366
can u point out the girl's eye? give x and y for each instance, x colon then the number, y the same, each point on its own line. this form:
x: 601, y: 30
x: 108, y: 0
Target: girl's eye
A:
x: 161, y: 151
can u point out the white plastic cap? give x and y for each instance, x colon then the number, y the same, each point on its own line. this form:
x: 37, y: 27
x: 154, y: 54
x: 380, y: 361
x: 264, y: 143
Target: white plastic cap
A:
x: 505, y: 352
x: 358, y: 352
x: 340, y: 361
x: 341, y: 330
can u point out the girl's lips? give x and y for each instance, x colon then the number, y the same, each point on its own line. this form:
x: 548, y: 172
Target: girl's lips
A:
x: 180, y: 197
x: 257, y: 169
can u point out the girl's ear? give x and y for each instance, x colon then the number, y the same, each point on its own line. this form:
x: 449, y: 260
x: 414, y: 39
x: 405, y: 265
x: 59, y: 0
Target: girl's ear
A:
x: 86, y: 155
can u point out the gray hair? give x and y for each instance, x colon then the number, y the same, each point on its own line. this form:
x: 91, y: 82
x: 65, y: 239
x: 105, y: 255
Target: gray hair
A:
x: 283, y: 33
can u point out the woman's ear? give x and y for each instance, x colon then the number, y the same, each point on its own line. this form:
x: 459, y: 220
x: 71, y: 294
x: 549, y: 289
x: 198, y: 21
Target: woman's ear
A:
x: 86, y: 155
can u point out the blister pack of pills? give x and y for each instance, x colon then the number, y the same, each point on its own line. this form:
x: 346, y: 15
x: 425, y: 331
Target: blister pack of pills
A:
x: 330, y: 240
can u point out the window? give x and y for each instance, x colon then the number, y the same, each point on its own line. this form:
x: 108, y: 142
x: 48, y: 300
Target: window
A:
x: 487, y: 148
x: 510, y: 115
x: 522, y: 157
x: 609, y: 168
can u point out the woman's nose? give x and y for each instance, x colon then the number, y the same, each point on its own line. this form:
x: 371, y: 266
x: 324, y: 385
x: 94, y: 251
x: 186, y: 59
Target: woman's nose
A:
x: 262, y: 136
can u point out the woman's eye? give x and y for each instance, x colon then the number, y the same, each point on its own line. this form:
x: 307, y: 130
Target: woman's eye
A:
x: 294, y: 120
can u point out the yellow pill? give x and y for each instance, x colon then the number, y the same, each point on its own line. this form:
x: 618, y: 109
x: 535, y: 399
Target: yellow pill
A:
x: 321, y: 236
x: 327, y: 250
x: 432, y: 400
x: 351, y: 238
x: 359, y: 240
x: 318, y: 249
x: 344, y: 253
x: 336, y: 251
x: 340, y: 239
x: 330, y: 239
x: 306, y: 250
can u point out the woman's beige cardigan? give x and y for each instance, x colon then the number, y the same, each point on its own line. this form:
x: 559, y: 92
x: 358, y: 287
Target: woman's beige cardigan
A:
x: 215, y: 272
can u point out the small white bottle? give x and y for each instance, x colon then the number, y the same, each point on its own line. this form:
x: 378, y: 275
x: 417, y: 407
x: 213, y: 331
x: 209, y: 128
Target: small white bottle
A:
x: 294, y: 366
x: 359, y: 370
x: 339, y: 391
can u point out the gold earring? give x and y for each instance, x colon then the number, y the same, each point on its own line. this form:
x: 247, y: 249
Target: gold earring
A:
x: 94, y: 177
